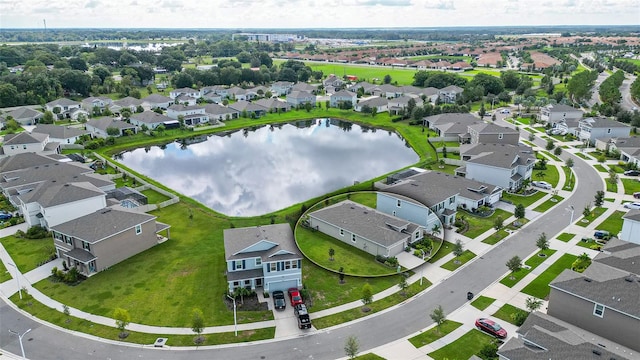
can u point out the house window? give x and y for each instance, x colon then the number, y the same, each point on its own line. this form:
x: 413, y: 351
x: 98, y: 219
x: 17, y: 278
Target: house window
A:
x: 294, y: 264
x: 598, y: 310
x: 398, y: 203
x: 341, y: 232
x: 238, y: 264
x: 452, y: 200
x: 86, y: 246
x: 287, y: 265
x: 24, y: 147
x: 235, y: 284
x: 417, y: 235
x: 353, y: 237
x: 500, y: 136
x: 258, y: 261
x: 138, y: 229
x: 394, y: 213
x: 608, y: 131
x: 68, y: 240
x: 273, y: 266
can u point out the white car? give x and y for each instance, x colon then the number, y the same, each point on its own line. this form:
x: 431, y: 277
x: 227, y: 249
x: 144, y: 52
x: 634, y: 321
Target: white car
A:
x: 504, y: 111
x: 632, y: 205
x: 542, y: 184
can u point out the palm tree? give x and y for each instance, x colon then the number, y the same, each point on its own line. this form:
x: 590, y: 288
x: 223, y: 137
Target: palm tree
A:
x: 436, y: 230
x: 540, y: 175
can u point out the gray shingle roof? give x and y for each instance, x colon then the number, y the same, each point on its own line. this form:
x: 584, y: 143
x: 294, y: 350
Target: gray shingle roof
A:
x: 24, y: 113
x: 490, y: 128
x: 102, y: 224
x: 104, y: 123
x: 62, y: 102
x: 452, y: 118
x: 150, y: 117
x: 549, y: 338
x: 81, y: 255
x: 216, y: 109
x: 128, y: 101
x: 243, y: 105
x: 24, y: 138
x: 561, y: 108
x: 59, y: 132
x: 23, y: 161
x: 499, y: 155
x: 52, y: 193
x: 613, y: 279
x: 633, y: 214
x: 157, y: 99
x: 61, y: 172
x: 602, y: 122
x: 365, y: 222
x: 238, y: 239
x: 375, y: 101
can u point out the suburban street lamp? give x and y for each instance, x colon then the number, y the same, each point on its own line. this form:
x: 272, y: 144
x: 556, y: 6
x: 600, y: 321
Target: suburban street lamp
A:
x: 235, y: 319
x: 17, y: 279
x: 20, y: 340
x: 572, y: 209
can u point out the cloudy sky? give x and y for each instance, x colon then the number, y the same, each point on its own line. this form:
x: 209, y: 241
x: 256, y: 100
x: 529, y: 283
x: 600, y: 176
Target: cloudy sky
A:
x: 308, y: 13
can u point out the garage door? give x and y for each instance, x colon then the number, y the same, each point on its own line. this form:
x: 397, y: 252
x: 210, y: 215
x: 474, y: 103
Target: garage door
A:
x: 282, y: 285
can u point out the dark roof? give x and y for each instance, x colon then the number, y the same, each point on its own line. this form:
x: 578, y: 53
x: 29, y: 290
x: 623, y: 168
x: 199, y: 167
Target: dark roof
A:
x: 276, y: 238
x: 81, y: 255
x: 366, y: 222
x: 102, y: 224
x: 52, y: 193
x: 452, y: 118
x: 543, y: 337
x: 23, y: 161
x: 561, y: 108
x: 216, y: 109
x: 59, y: 132
x: 150, y: 117
x: 24, y: 138
x: 157, y: 99
x: 104, y: 123
x: 62, y: 172
x: 498, y: 155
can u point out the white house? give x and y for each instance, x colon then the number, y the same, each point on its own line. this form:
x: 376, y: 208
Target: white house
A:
x: 280, y: 88
x: 449, y: 94
x: 99, y: 127
x: 24, y: 116
x: 593, y: 128
x: 149, y: 118
x: 63, y: 135
x: 156, y: 101
x: 221, y: 113
x: 381, y: 104
x: 502, y: 165
x: 25, y: 142
x: 192, y: 115
x: 52, y: 203
x: 187, y: 91
x: 295, y: 98
x: 262, y: 257
x: 64, y: 107
x: 631, y: 227
x: 554, y: 113
x: 343, y: 96
x: 100, y: 102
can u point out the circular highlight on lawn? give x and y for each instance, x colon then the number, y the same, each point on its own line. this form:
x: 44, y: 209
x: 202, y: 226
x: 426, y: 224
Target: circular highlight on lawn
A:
x: 317, y: 246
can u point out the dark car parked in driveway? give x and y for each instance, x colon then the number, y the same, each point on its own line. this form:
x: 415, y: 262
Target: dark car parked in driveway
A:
x: 279, y: 301
x: 491, y: 327
x: 5, y: 215
x: 304, y: 322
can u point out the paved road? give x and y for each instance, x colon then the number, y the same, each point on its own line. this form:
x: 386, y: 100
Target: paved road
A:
x: 44, y: 342
x: 625, y: 88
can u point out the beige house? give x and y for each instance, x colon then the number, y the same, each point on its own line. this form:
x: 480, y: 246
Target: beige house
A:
x: 99, y: 240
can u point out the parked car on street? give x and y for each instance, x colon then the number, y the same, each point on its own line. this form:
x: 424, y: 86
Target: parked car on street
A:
x: 541, y: 184
x: 632, y: 172
x: 632, y: 205
x: 295, y: 297
x: 636, y: 195
x: 278, y: 300
x: 491, y: 327
x: 304, y: 321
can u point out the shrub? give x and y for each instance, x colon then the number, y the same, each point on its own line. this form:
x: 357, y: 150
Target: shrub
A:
x: 519, y: 317
x: 36, y: 232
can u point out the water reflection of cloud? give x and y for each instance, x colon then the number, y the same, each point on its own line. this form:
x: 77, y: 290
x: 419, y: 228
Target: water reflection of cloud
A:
x: 271, y: 169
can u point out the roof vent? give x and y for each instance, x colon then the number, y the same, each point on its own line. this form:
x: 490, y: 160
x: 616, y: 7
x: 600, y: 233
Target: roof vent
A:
x: 66, y: 184
x: 53, y: 181
x: 105, y: 210
x: 628, y: 279
x: 596, y: 352
x: 587, y: 279
x: 351, y: 207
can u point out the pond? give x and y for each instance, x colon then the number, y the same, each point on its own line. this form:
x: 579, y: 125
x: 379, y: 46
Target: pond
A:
x: 267, y: 168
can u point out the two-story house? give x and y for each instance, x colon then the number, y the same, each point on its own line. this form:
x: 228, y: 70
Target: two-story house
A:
x: 449, y: 94
x: 99, y: 104
x: 593, y: 128
x: 63, y: 107
x: 63, y: 135
x: 101, y: 239
x: 502, y: 165
x: 375, y: 232
x: 186, y: 91
x: 296, y: 98
x: 489, y: 133
x: 128, y: 102
x: 555, y: 113
x: 343, y: 96
x: 604, y: 299
x: 52, y: 203
x: 25, y: 142
x: 280, y: 88
x: 629, y: 148
x: 262, y: 257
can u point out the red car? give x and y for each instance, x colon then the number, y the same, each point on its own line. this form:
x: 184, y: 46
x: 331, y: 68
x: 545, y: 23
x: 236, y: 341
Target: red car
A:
x: 491, y: 327
x: 295, y: 297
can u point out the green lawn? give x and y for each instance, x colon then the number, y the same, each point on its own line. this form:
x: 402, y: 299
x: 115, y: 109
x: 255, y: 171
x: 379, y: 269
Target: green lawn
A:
x: 550, y: 175
x: 570, y: 178
x: 369, y: 356
x: 459, y: 261
x: 376, y: 306
x: 505, y: 312
x: 595, y: 212
x: 445, y: 249
x: 611, y: 187
x: 482, y: 302
x: 154, y: 197
x: 524, y: 121
x: 581, y: 155
x: 526, y: 201
x: 464, y: 347
x: 550, y: 155
x: 630, y: 185
x: 532, y: 262
x: 366, y: 73
x: 28, y: 253
x: 613, y: 224
x: 478, y: 225
x: 57, y: 317
x: 565, y: 237
x: 548, y: 204
x: 434, y: 333
x: 496, y: 237
x: 315, y: 246
x: 4, y: 273
x: 539, y: 287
